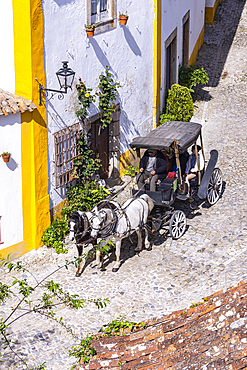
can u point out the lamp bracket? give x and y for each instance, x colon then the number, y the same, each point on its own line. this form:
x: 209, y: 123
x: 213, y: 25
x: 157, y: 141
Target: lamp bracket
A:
x: 43, y: 93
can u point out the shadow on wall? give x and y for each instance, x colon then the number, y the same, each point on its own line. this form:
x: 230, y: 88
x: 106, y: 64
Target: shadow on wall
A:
x: 218, y: 39
x: 127, y: 130
x: 64, y: 2
x: 99, y: 53
x: 12, y: 165
x: 131, y: 42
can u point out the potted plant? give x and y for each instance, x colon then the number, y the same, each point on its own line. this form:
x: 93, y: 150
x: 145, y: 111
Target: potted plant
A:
x: 6, y: 156
x: 90, y: 29
x: 123, y: 17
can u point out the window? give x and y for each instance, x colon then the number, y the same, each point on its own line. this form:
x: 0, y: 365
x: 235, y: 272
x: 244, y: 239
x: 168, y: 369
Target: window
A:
x: 99, y: 10
x: 103, y: 13
x: 66, y: 149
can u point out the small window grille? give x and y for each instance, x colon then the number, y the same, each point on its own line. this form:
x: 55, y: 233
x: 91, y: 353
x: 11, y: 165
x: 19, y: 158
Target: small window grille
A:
x: 66, y: 150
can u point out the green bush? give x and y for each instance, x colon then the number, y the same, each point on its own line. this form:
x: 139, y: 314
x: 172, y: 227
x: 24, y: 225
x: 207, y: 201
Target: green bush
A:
x: 192, y: 76
x: 179, y: 105
x: 84, y: 197
x: 53, y: 236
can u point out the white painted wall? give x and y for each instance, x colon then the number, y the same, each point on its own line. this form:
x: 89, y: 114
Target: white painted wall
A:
x: 128, y: 50
x: 210, y: 3
x: 173, y: 12
x: 11, y: 181
x: 7, y: 68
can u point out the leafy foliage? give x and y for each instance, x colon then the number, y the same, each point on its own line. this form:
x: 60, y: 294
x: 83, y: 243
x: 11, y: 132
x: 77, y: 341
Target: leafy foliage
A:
x: 107, y: 96
x: 83, y: 350
x: 53, y: 236
x: 85, y: 193
x: 48, y: 295
x: 179, y: 105
x: 85, y: 99
x: 117, y: 327
x: 192, y: 76
x: 131, y: 171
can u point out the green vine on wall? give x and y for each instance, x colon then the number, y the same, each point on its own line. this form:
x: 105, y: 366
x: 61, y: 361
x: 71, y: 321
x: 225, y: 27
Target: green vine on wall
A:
x: 85, y: 99
x: 107, y: 96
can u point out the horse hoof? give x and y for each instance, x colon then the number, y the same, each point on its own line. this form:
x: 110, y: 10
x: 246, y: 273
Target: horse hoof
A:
x: 77, y: 274
x: 137, y: 249
x: 148, y: 248
x: 115, y: 269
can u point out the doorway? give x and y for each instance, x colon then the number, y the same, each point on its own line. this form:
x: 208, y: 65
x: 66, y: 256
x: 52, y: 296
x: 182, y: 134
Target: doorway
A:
x: 171, y: 61
x: 186, y: 38
x: 100, y: 146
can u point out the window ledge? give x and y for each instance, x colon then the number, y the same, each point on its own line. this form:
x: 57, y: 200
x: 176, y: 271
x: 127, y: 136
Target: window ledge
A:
x: 104, y: 25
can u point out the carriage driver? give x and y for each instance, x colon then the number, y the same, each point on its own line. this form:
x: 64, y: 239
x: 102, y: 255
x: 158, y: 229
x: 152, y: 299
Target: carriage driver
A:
x: 153, y: 168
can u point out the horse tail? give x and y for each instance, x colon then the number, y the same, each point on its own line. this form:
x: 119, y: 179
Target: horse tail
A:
x: 149, y: 201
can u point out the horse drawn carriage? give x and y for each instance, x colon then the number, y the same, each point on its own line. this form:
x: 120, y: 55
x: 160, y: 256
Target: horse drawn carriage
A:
x: 151, y: 211
x: 207, y: 184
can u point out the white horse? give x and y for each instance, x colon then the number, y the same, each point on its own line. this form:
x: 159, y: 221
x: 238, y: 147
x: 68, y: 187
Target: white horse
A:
x: 133, y: 216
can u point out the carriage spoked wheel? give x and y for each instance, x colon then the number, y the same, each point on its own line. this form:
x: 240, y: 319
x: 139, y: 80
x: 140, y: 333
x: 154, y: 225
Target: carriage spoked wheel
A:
x: 177, y: 224
x: 214, y: 186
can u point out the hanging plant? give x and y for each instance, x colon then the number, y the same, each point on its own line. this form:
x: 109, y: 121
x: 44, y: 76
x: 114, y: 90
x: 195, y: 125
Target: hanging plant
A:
x: 90, y: 29
x: 123, y: 18
x: 85, y: 99
x: 107, y: 96
x: 6, y: 156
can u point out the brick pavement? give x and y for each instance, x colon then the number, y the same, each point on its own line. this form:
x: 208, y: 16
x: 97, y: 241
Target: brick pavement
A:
x: 212, y: 254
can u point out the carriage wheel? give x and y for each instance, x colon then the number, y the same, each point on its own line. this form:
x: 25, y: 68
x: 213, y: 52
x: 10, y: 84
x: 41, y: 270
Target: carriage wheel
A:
x: 177, y: 224
x: 214, y: 187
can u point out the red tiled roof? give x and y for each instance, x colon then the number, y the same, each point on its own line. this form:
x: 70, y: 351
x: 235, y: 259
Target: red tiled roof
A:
x: 11, y: 103
x: 212, y: 335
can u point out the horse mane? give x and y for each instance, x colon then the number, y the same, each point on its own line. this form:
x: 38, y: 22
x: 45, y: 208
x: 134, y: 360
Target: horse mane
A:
x: 81, y: 221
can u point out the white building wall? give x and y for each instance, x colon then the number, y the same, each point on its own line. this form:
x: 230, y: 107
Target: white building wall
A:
x: 128, y: 50
x: 7, y: 68
x: 173, y: 12
x: 11, y: 181
x: 210, y: 3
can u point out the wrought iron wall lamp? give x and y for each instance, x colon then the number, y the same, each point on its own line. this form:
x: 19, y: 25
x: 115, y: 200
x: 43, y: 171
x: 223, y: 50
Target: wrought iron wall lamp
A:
x: 65, y: 77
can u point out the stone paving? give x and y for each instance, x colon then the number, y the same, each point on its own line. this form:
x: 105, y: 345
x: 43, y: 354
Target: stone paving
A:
x: 212, y: 255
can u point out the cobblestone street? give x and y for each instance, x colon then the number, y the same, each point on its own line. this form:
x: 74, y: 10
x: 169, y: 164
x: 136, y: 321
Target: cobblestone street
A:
x: 212, y: 254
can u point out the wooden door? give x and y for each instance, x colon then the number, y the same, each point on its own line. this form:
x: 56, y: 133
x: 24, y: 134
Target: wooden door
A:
x: 186, y: 37
x: 100, y: 146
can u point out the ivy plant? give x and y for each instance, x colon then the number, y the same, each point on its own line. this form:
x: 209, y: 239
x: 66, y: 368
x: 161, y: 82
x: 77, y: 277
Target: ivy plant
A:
x: 85, y: 98
x: 54, y: 235
x: 107, y: 95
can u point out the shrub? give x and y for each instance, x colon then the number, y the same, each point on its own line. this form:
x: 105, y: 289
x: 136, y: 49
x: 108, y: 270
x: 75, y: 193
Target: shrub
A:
x: 179, y: 105
x: 192, y: 76
x: 54, y: 234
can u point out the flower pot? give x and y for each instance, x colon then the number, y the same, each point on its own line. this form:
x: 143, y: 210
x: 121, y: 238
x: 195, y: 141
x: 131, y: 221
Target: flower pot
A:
x: 6, y: 158
x: 90, y: 32
x: 123, y: 19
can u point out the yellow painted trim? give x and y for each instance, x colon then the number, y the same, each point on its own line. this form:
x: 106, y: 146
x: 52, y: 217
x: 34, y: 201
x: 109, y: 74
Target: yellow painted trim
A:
x: 157, y: 61
x: 57, y: 210
x: 15, y: 250
x: 29, y: 64
x: 210, y: 12
x: 197, y: 47
x: 126, y: 159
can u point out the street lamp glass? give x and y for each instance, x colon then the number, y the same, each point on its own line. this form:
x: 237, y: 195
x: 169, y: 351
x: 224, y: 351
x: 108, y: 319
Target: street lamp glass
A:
x: 65, y: 76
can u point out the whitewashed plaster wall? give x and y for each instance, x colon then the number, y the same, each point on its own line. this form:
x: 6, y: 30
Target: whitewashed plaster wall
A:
x: 128, y: 50
x: 7, y: 69
x: 210, y: 3
x: 11, y: 181
x: 173, y: 12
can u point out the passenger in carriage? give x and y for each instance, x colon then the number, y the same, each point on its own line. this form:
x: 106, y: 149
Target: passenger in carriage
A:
x: 153, y: 168
x: 191, y: 166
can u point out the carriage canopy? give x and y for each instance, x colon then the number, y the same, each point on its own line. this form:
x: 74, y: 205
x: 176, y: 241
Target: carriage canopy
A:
x: 184, y: 133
